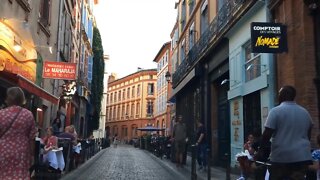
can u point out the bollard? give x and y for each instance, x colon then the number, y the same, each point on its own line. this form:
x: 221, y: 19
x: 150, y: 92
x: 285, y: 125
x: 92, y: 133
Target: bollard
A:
x: 193, y: 163
x: 227, y: 166
x: 208, y: 164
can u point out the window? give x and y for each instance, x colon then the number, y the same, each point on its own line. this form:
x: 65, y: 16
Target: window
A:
x: 127, y: 111
x: 150, y: 89
x: 252, y: 63
x: 221, y: 3
x: 45, y: 12
x: 132, y: 110
x: 128, y: 93
x: 115, y: 97
x: 123, y: 112
x: 191, y: 36
x: 124, y: 94
x: 150, y: 108
x: 150, y: 77
x: 118, y: 113
x: 138, y: 90
x: 133, y: 91
x: 111, y: 98
x: 107, y: 114
x: 138, y: 108
x: 204, y: 20
x: 114, y: 113
x: 107, y: 98
x: 191, y: 6
x: 119, y: 96
x: 183, y: 15
x: 111, y: 115
x: 182, y: 50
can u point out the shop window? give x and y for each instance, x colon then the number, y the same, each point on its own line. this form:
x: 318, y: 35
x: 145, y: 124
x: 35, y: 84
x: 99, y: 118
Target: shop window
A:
x: 252, y: 63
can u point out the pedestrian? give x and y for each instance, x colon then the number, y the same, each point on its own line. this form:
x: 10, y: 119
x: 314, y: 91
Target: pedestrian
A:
x: 115, y: 141
x: 289, y: 125
x: 17, y: 137
x: 244, y: 161
x: 316, y: 159
x: 201, y: 146
x: 179, y: 137
x: 56, y: 125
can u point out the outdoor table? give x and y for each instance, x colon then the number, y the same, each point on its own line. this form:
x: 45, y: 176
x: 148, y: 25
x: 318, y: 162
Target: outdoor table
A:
x: 55, y: 159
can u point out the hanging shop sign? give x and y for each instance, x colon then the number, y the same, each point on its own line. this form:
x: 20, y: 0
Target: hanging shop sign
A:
x: 59, y: 70
x: 16, y: 55
x: 268, y: 37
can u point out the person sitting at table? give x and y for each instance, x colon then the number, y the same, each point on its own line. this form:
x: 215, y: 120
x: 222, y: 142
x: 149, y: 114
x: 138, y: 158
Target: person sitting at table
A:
x: 50, y: 141
x: 68, y: 134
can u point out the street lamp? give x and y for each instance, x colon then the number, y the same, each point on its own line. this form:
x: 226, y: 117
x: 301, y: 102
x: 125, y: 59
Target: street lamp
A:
x: 168, y: 76
x: 255, y: 65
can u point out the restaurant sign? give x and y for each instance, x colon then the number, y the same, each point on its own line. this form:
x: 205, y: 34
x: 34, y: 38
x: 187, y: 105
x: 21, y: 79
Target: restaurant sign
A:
x: 59, y: 70
x: 268, y: 37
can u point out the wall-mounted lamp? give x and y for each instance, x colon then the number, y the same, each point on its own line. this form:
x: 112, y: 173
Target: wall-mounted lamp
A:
x: 228, y: 80
x: 255, y: 65
x: 168, y: 76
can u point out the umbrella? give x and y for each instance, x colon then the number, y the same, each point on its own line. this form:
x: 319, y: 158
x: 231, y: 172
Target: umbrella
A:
x: 151, y: 128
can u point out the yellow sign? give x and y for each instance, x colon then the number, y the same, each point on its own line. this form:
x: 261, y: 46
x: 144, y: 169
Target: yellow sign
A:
x: 271, y: 42
x: 16, y: 55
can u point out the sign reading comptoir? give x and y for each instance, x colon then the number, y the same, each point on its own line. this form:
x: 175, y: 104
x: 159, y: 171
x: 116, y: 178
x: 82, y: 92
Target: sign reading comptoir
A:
x: 59, y: 70
x: 268, y: 37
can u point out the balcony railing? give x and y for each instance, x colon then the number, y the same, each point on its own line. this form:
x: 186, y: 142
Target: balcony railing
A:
x: 217, y: 28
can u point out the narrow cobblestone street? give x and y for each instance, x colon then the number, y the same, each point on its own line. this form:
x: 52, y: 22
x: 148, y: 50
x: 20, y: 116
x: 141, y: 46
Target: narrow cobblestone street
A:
x: 124, y: 162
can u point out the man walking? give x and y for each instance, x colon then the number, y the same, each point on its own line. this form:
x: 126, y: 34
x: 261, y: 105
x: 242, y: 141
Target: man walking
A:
x: 289, y: 125
x: 201, y: 146
x: 179, y: 136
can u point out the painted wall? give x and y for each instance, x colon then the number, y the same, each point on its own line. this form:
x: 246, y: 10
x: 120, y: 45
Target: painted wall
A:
x: 238, y: 37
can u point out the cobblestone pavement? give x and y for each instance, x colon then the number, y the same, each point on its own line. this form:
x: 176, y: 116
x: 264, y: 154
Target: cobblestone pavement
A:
x: 127, y: 163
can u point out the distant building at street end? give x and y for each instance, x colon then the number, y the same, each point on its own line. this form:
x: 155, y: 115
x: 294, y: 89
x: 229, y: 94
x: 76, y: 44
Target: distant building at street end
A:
x: 162, y: 59
x: 130, y: 103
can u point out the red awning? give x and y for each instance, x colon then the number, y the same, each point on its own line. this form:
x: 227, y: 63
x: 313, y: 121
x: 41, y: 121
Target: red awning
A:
x: 29, y: 86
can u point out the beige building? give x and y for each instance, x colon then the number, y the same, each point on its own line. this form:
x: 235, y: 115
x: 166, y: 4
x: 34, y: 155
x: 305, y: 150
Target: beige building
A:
x: 131, y: 103
x: 161, y: 115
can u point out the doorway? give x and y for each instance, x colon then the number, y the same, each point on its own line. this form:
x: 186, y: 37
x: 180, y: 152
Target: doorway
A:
x: 251, y: 114
x: 223, y: 124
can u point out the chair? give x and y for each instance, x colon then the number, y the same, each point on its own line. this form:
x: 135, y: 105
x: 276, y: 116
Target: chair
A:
x: 66, y: 144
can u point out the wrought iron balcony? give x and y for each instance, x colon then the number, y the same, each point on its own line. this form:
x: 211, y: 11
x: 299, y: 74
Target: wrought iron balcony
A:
x: 229, y: 13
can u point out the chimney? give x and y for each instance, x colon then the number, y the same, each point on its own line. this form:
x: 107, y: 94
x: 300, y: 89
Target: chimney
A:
x: 112, y: 77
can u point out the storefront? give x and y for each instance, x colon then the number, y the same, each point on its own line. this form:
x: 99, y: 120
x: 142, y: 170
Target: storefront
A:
x: 18, y: 67
x: 252, y: 93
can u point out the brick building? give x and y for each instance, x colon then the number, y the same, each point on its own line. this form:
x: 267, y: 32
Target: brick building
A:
x: 130, y: 103
x: 300, y: 65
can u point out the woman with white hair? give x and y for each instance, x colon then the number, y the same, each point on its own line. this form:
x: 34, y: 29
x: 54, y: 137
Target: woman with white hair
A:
x: 17, y: 133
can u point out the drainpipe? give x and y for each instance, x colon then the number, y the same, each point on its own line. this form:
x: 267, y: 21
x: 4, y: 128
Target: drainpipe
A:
x: 55, y: 88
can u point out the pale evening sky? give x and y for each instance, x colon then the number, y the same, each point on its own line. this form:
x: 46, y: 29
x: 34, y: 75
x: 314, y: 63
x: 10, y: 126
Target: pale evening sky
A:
x: 133, y: 31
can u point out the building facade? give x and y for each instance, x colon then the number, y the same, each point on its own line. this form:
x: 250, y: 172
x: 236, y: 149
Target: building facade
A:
x: 46, y: 30
x: 300, y: 66
x: 161, y: 112
x: 28, y: 36
x: 131, y: 103
x: 207, y: 45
